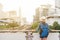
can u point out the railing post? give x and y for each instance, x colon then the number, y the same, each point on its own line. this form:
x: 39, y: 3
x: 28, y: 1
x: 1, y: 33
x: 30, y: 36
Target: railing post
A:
x: 59, y: 36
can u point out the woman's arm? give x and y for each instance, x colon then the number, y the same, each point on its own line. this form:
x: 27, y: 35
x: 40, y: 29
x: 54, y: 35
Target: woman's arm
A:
x: 38, y: 28
x: 49, y: 28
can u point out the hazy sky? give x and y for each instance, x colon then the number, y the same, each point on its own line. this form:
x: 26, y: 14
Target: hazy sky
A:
x: 27, y: 6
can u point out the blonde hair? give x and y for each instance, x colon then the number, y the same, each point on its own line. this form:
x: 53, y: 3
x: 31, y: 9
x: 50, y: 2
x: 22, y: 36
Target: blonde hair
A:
x: 43, y: 17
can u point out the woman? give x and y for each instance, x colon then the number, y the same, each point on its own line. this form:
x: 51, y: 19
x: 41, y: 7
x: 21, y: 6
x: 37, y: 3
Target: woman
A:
x: 43, y: 29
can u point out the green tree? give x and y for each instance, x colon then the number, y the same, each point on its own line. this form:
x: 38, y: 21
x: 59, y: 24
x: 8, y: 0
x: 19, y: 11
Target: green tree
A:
x: 58, y: 27
x: 50, y: 27
x: 13, y: 24
x: 34, y: 25
x: 55, y: 25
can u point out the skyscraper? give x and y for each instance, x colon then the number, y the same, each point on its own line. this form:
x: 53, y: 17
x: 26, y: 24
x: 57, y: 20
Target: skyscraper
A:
x: 41, y: 11
x: 20, y: 16
x: 45, y: 10
x: 57, y: 6
x: 56, y: 15
x: 1, y: 6
x: 12, y: 14
x: 37, y: 15
x: 24, y: 21
x: 2, y: 13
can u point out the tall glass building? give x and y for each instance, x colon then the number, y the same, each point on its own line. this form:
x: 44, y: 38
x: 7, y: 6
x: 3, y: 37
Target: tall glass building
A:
x: 54, y: 14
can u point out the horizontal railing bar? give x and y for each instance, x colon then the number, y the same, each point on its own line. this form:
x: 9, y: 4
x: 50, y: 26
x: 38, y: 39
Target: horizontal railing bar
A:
x: 1, y: 31
x: 25, y: 30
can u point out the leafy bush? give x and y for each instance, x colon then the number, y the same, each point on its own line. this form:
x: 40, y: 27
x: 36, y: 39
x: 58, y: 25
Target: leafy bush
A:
x: 34, y: 25
x: 55, y: 26
x: 12, y: 25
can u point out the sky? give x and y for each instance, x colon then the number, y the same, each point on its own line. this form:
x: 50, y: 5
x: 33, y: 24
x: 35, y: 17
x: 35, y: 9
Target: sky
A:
x: 27, y: 7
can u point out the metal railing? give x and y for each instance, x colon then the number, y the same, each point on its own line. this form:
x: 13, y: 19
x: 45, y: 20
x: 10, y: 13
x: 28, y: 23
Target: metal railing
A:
x: 29, y: 33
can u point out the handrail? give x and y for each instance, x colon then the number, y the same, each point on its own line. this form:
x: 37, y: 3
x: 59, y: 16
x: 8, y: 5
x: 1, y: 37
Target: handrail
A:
x: 55, y: 30
x: 24, y: 30
x: 17, y: 30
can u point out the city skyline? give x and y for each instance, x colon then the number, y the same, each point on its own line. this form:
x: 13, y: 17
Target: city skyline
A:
x: 27, y: 6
